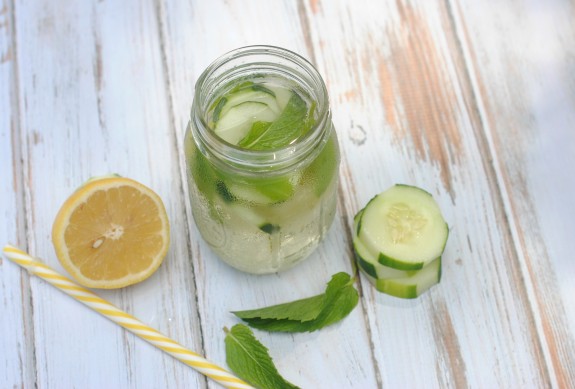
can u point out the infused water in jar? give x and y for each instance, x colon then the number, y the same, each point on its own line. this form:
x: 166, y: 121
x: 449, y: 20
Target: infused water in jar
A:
x: 262, y: 158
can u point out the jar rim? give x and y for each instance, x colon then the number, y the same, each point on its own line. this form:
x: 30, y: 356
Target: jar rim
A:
x: 278, y: 159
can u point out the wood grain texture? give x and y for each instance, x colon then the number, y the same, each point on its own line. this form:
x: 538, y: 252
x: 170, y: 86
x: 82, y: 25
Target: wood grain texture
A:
x: 93, y: 102
x: 16, y: 340
x: 397, y: 79
x: 527, y: 100
x: 473, y: 101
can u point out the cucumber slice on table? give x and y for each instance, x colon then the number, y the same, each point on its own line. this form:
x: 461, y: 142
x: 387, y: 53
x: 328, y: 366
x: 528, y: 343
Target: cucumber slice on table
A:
x: 407, y: 213
x: 398, y: 283
x: 412, y: 286
x: 368, y: 262
x: 404, y: 227
x: 371, y: 266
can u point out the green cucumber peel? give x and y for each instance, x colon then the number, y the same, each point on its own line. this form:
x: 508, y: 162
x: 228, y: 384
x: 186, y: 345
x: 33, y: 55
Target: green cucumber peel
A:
x: 261, y: 88
x: 397, y: 290
x: 218, y: 108
x: 365, y: 266
x: 399, y: 265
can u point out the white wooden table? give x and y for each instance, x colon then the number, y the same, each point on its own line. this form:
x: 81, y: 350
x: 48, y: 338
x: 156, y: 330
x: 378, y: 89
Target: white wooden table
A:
x: 472, y: 100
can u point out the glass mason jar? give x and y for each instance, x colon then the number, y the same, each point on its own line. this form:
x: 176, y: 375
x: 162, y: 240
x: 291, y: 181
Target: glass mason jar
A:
x: 261, y: 210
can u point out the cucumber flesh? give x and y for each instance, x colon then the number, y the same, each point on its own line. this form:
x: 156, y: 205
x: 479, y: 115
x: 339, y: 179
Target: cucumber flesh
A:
x: 250, y: 95
x: 262, y: 194
x: 392, y: 281
x: 282, y: 95
x: 238, y: 120
x: 246, y: 217
x: 377, y: 270
x: 369, y: 263
x: 404, y: 226
x: 240, y: 213
x: 322, y: 170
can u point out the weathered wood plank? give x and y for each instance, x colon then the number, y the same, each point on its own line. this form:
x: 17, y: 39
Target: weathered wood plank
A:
x: 16, y: 332
x: 93, y: 102
x: 472, y: 101
x: 520, y: 57
x: 194, y: 35
x: 407, y: 114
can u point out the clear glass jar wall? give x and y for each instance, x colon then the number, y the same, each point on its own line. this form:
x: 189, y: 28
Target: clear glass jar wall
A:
x: 261, y: 210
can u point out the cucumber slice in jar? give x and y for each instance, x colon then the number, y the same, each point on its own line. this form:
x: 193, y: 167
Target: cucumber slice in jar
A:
x: 322, y: 171
x: 237, y: 121
x: 262, y: 191
x: 250, y: 95
x: 282, y: 95
x: 248, y: 217
x: 404, y: 226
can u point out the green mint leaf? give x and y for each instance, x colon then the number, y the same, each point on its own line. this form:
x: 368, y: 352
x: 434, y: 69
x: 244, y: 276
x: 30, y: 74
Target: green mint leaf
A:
x: 300, y: 310
x: 277, y: 189
x: 277, y: 325
x: 287, y: 127
x: 309, y: 314
x: 257, y: 130
x: 250, y: 360
x: 340, y: 299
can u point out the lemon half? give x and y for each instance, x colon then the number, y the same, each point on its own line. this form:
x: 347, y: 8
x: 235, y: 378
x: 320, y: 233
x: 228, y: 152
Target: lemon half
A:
x: 112, y: 232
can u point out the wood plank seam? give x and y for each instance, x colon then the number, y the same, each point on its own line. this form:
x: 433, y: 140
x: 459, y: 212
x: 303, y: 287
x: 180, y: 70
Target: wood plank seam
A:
x: 28, y: 362
x: 179, y: 151
x: 343, y: 207
x: 498, y: 189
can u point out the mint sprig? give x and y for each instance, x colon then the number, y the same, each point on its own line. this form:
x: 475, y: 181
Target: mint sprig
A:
x: 250, y: 360
x: 258, y: 129
x: 288, y: 126
x: 309, y: 314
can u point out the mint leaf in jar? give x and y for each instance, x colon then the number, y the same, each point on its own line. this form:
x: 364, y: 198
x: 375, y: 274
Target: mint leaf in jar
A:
x: 258, y: 129
x: 288, y: 126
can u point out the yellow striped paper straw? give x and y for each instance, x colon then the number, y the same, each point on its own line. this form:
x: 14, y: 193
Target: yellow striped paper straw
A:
x: 135, y: 326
